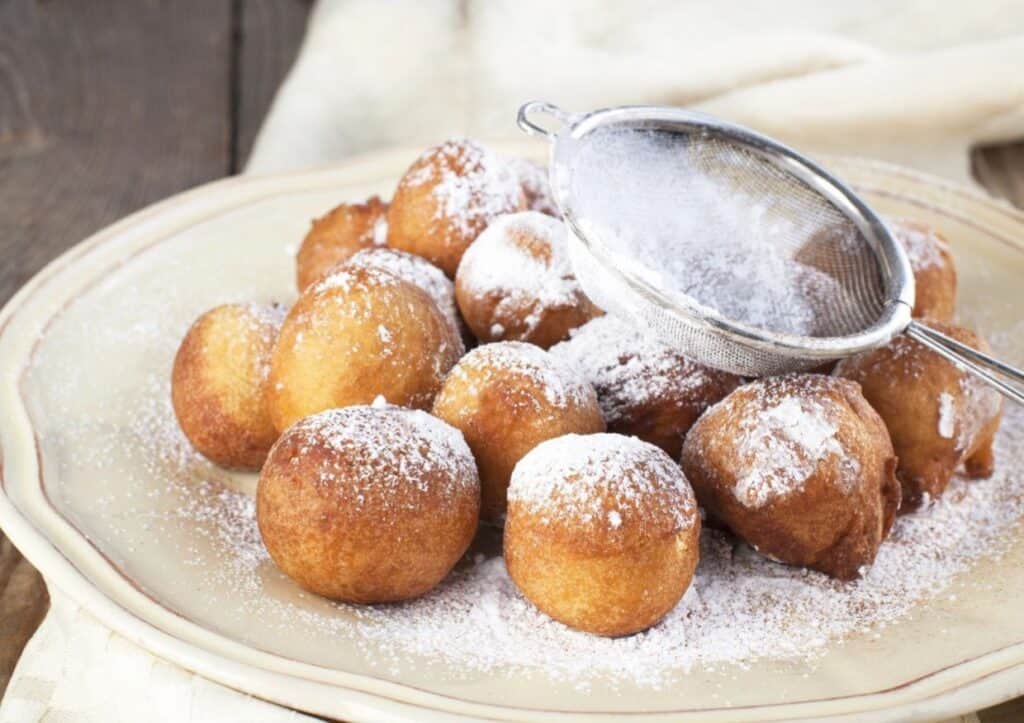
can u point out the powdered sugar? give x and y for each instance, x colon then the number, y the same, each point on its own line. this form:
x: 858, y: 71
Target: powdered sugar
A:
x: 783, y: 436
x: 416, y: 270
x: 347, y: 278
x: 740, y: 608
x: 534, y: 179
x: 575, y: 477
x: 947, y: 415
x: 925, y: 248
x: 380, y: 231
x: 630, y: 369
x: 269, y: 316
x: 782, y: 447
x: 981, y: 404
x: 380, y: 447
x: 523, y: 260
x: 703, y: 238
x: 560, y: 385
x: 472, y: 185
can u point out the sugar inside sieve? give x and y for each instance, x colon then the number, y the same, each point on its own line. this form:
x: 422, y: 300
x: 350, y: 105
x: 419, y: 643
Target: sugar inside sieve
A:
x: 731, y: 247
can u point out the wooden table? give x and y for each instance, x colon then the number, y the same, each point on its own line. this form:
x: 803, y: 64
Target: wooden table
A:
x: 109, y: 105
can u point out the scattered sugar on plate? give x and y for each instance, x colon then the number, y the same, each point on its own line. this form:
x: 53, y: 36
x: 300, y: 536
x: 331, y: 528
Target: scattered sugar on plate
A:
x: 741, y: 608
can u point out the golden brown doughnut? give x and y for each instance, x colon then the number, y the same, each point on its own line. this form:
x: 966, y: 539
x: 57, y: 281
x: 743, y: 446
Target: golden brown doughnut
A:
x: 334, y: 237
x: 354, y: 335
x: 219, y: 383
x: 368, y: 504
x: 602, y: 532
x: 801, y: 467
x: 516, y: 283
x: 934, y: 269
x: 645, y: 387
x: 416, y: 270
x: 938, y: 416
x: 447, y: 197
x: 506, y: 398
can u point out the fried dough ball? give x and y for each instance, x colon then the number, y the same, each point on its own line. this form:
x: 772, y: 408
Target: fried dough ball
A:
x: 938, y: 416
x: 334, y: 237
x: 354, y: 335
x: 801, y: 467
x: 219, y: 383
x: 416, y: 270
x: 645, y: 388
x: 368, y: 504
x: 516, y: 283
x: 602, y: 532
x: 447, y: 197
x: 934, y: 269
x: 506, y: 398
x: 533, y: 177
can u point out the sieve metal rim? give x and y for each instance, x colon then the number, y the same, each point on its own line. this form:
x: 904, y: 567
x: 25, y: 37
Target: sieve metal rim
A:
x: 893, y: 264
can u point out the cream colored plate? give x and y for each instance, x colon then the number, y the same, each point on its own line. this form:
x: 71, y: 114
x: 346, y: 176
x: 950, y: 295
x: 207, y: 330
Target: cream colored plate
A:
x: 80, y: 347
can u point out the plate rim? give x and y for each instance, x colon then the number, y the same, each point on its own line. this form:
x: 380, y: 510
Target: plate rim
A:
x: 1000, y: 673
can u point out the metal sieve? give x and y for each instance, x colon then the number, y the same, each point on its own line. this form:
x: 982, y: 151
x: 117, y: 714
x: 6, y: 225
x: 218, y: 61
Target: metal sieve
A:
x: 828, y: 226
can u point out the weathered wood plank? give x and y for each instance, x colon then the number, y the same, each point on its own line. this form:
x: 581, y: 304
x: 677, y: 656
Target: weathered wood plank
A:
x: 105, y: 106
x: 270, y: 32
x: 23, y: 603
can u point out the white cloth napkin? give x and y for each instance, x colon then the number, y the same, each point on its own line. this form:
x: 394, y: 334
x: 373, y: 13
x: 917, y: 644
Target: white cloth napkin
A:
x: 916, y: 83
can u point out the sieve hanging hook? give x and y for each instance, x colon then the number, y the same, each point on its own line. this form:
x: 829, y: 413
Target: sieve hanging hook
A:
x: 882, y: 287
x: 539, y: 106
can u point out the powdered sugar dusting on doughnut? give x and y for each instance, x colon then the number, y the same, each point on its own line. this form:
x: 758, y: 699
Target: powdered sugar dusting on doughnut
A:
x: 472, y: 185
x: 269, y: 316
x: 348, y: 278
x: 577, y: 477
x: 628, y: 368
x: 416, y: 270
x: 560, y: 385
x: 924, y: 246
x: 523, y: 258
x: 783, y: 440
x: 981, y: 404
x: 534, y: 179
x: 266, y: 320
x: 385, y: 447
x: 947, y: 415
x: 741, y: 607
x: 380, y: 231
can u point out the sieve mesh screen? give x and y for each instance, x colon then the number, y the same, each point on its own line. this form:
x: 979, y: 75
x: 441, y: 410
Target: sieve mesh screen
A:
x: 718, y: 226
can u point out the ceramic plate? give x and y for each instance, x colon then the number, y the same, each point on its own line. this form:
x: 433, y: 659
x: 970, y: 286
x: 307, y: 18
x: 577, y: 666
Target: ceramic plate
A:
x: 132, y: 527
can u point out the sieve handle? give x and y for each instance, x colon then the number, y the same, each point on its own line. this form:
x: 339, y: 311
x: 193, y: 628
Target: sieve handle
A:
x: 539, y: 106
x: 987, y: 368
